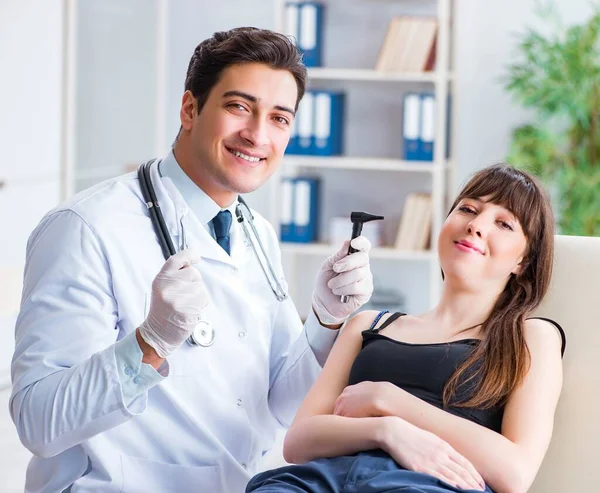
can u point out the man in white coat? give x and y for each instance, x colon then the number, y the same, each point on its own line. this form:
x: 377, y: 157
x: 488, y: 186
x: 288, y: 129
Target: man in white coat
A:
x: 107, y: 394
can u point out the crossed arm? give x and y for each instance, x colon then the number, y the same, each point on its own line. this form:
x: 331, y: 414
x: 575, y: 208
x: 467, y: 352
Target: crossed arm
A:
x: 326, y: 423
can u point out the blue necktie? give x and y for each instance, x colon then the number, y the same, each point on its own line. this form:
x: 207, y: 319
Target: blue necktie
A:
x: 222, y: 223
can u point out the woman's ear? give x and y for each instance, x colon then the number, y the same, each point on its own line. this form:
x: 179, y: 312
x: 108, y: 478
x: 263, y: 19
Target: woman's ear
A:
x: 520, y: 267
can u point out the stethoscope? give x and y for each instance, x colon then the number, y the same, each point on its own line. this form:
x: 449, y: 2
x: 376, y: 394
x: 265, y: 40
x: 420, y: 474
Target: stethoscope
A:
x: 204, y: 333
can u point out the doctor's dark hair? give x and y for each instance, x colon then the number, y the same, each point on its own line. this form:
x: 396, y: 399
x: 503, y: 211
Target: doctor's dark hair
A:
x: 242, y: 45
x: 501, y: 360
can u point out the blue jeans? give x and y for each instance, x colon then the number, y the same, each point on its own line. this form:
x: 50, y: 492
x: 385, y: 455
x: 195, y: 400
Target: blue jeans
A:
x: 367, y: 472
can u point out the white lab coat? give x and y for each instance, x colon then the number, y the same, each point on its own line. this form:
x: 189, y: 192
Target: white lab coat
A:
x: 90, y: 266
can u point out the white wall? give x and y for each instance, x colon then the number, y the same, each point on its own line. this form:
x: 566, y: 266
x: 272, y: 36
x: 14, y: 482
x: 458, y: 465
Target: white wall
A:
x: 31, y: 60
x: 485, y: 45
x: 116, y: 86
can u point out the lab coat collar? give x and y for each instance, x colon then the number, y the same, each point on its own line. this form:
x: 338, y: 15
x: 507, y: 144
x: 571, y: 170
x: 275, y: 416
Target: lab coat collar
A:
x: 204, y: 207
x: 176, y: 211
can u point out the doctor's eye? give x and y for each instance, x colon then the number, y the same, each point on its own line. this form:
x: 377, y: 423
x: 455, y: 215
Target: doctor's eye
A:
x: 237, y: 106
x: 282, y: 120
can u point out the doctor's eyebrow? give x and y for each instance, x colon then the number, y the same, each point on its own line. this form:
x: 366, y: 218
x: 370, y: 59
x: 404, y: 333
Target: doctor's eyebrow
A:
x: 254, y: 99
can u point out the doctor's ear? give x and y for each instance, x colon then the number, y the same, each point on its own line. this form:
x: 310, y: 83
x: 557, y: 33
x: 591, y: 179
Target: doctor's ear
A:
x: 188, y: 111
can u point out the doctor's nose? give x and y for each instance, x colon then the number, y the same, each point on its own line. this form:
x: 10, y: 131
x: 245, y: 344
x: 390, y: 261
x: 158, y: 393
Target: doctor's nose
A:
x: 255, y: 133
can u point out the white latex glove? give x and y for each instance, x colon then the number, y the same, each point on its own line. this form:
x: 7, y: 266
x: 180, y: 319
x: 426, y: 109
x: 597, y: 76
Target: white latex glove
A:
x: 343, y: 274
x: 178, y: 298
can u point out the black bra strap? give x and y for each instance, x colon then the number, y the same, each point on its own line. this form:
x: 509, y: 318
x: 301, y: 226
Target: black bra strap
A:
x: 390, y: 319
x: 560, y: 330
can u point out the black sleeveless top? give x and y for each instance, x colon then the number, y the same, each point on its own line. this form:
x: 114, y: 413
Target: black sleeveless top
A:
x: 422, y: 369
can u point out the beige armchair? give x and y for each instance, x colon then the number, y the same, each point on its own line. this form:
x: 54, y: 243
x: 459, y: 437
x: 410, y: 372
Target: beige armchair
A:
x: 572, y: 463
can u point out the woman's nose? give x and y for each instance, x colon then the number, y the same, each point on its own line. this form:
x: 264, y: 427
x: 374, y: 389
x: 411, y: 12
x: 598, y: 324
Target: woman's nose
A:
x: 475, y: 227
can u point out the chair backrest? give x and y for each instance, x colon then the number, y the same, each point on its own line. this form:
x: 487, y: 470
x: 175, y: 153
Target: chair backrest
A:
x: 574, y: 302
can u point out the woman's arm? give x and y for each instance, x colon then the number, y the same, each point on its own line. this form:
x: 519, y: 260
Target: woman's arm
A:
x: 315, y: 437
x: 314, y: 432
x: 508, y: 462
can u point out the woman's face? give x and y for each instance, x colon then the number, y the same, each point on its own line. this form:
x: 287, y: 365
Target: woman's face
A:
x: 481, y: 242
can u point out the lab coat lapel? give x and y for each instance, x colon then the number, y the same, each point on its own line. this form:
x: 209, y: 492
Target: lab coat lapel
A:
x: 199, y: 238
x: 178, y: 216
x: 169, y: 199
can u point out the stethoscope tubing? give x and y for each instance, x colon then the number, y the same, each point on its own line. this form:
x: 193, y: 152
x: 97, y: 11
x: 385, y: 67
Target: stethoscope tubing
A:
x: 164, y: 238
x: 168, y: 249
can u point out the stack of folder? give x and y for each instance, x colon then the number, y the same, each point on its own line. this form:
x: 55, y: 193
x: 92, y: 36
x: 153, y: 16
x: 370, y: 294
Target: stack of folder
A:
x: 319, y: 125
x: 304, y: 24
x: 300, y: 209
x: 419, y: 127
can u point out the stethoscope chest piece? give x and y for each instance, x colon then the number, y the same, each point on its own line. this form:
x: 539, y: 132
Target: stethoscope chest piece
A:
x: 202, y: 335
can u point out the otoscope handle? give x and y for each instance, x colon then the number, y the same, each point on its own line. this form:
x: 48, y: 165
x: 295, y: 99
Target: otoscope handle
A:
x: 356, y: 231
x: 358, y: 218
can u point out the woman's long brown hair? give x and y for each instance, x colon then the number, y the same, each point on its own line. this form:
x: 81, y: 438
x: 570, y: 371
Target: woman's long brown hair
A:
x: 502, y: 359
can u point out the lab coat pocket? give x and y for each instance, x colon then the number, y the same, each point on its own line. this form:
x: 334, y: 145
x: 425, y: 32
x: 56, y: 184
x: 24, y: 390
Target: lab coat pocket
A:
x: 144, y: 475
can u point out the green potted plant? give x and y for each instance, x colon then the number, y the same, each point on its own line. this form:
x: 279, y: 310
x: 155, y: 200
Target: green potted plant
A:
x: 557, y: 75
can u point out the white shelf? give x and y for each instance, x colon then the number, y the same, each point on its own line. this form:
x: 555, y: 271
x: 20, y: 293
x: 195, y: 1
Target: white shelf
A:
x: 324, y: 250
x: 373, y: 75
x: 360, y: 163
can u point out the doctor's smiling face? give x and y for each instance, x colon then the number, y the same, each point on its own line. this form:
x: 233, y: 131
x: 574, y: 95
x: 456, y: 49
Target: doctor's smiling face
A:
x: 237, y: 140
x: 242, y: 90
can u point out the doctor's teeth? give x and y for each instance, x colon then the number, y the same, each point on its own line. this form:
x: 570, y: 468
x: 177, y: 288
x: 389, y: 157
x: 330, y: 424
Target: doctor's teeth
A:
x: 247, y: 158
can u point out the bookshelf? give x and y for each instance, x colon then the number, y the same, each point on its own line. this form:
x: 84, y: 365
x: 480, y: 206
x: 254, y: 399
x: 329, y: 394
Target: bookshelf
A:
x: 371, y: 165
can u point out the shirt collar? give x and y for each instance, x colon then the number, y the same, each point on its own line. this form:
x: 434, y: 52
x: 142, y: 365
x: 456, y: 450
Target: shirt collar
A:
x: 203, y: 207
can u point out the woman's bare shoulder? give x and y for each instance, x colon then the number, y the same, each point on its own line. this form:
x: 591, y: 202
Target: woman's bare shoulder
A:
x: 541, y: 333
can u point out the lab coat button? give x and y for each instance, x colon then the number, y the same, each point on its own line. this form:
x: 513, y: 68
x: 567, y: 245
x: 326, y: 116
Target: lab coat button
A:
x: 241, y: 335
x: 137, y: 380
x: 234, y: 270
x: 244, y: 466
x: 128, y: 371
x: 239, y: 402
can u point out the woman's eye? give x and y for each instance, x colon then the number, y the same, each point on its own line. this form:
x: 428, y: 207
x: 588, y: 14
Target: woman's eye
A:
x: 506, y: 225
x: 467, y: 209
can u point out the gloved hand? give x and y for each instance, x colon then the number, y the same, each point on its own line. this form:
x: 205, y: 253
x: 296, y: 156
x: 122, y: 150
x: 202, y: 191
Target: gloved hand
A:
x: 343, y: 274
x: 178, y: 298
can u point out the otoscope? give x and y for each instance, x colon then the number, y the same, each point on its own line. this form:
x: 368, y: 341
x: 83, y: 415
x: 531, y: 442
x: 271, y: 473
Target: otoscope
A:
x: 358, y: 219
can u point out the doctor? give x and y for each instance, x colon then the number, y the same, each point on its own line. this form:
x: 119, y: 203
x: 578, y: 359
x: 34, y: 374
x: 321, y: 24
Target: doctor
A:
x: 107, y: 394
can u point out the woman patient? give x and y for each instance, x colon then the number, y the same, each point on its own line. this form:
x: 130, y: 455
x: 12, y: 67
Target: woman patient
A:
x: 461, y: 397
